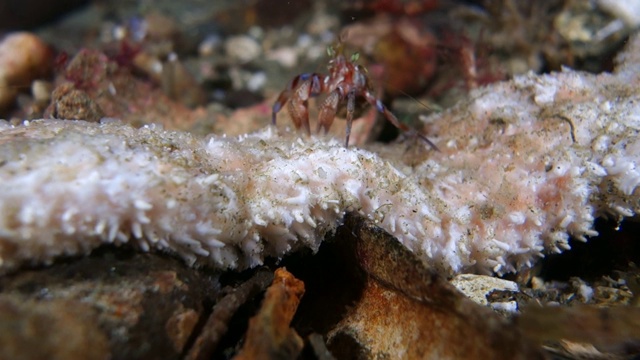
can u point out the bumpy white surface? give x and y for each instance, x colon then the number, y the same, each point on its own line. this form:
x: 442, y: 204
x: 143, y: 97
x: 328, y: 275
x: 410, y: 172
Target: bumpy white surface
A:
x: 509, y: 183
x: 628, y: 10
x: 528, y: 162
x: 70, y: 186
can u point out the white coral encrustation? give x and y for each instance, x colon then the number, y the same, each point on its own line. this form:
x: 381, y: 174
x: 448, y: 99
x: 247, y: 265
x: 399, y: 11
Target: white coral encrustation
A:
x: 524, y: 165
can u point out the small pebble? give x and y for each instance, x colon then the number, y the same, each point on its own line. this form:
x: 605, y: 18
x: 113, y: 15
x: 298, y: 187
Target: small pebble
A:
x: 41, y: 91
x: 24, y: 57
x: 477, y: 287
x: 179, y: 84
x: 209, y: 45
x: 242, y: 48
x: 537, y: 283
x: 285, y: 56
x: 257, y: 81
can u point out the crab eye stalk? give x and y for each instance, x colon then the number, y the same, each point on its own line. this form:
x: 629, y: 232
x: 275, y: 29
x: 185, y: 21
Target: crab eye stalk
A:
x: 331, y: 51
x: 355, y: 57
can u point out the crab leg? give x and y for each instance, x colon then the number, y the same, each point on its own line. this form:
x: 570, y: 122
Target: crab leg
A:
x: 394, y: 120
x: 299, y: 108
x: 299, y: 90
x: 351, y: 105
x: 328, y: 110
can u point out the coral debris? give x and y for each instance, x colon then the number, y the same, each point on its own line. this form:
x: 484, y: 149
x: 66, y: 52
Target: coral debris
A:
x: 524, y: 164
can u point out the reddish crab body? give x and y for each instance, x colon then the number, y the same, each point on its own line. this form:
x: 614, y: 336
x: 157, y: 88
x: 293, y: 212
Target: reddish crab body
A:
x: 346, y: 82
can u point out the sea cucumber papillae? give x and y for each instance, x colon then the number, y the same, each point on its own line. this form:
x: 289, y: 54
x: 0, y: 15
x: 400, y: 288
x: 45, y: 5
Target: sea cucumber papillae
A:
x: 523, y: 165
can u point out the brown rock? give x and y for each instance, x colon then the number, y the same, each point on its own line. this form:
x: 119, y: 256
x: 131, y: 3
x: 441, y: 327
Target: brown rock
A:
x: 180, y: 326
x: 112, y: 305
x: 223, y: 311
x: 119, y: 94
x: 50, y: 329
x: 269, y: 335
x: 70, y: 103
x: 24, y: 57
x: 407, y: 310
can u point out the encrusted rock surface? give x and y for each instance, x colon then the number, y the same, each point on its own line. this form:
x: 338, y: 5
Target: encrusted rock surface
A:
x: 112, y: 305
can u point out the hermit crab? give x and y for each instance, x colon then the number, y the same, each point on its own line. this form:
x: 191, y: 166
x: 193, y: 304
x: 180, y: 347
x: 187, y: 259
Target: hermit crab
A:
x: 346, y: 81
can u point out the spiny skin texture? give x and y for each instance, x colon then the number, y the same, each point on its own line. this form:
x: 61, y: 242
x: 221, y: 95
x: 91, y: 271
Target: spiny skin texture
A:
x: 534, y: 159
x: 509, y: 183
x: 69, y: 186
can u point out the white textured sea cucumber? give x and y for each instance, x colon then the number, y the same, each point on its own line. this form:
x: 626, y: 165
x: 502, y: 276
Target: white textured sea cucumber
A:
x: 524, y: 164
x: 70, y: 186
